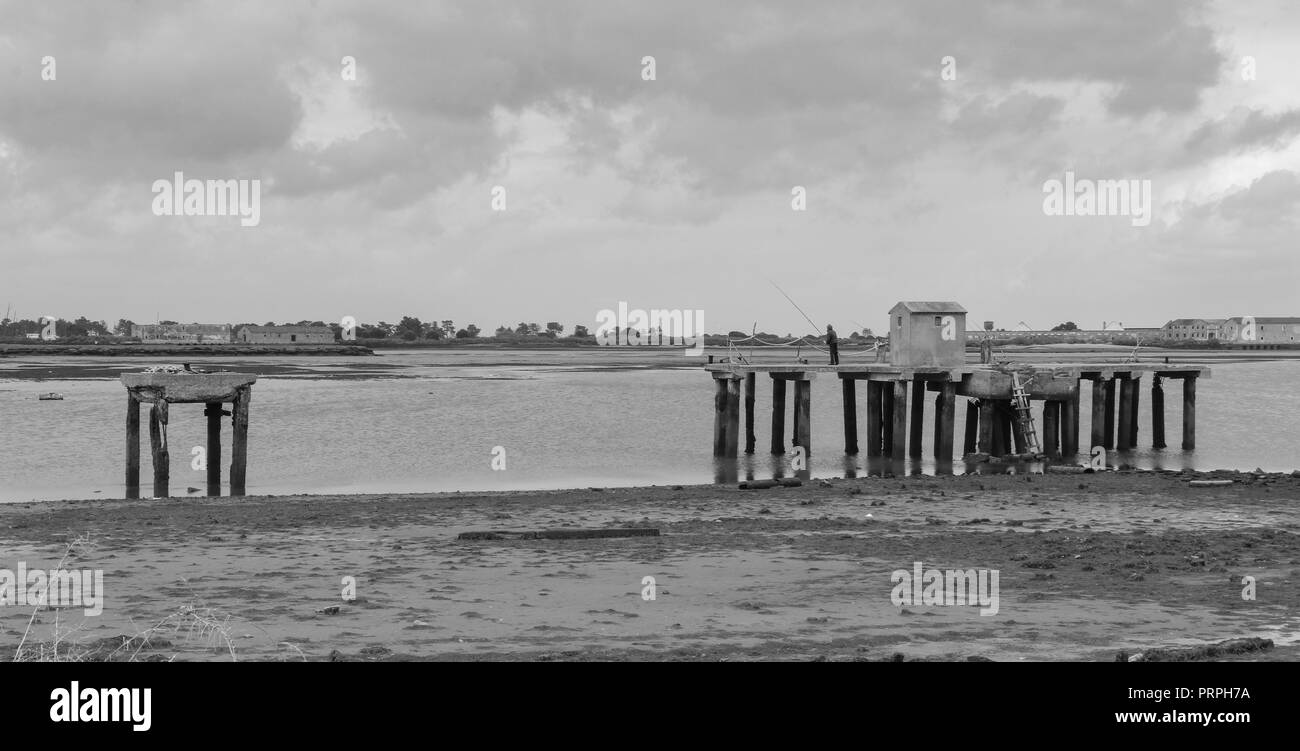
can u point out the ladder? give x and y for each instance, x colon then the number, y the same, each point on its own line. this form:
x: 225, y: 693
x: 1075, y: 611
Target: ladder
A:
x: 1024, y: 418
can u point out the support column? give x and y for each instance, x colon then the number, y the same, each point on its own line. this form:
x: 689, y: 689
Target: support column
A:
x: 1133, y: 419
x: 1123, y: 441
x: 719, y: 420
x: 945, y: 408
x: 887, y: 392
x: 132, y: 445
x: 778, y: 416
x: 239, y: 445
x: 158, y: 448
x: 971, y: 436
x: 899, y: 432
x: 750, y: 383
x: 1098, y: 414
x: 988, y: 417
x: 1110, y: 415
x: 1052, y: 428
x: 1189, y: 412
x: 1069, y: 420
x: 918, y: 419
x: 875, y: 428
x: 1157, y: 413
x: 733, y: 417
x: 803, y: 415
x: 849, y: 388
x: 1018, y: 437
x: 213, y: 412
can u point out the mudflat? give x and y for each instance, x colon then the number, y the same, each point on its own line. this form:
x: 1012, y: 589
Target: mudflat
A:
x: 1089, y: 566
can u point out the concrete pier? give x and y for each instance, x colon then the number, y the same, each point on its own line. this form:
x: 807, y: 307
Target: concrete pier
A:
x: 160, y: 391
x: 895, y: 424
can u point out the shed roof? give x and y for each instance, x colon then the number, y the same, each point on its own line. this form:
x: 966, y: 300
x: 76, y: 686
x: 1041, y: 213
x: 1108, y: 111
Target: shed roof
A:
x: 929, y: 307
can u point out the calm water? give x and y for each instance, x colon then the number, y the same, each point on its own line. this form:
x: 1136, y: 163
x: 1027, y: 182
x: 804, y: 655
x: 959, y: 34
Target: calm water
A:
x: 428, y: 421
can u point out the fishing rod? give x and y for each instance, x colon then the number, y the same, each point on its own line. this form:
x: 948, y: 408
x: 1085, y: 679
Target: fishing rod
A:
x: 796, y: 307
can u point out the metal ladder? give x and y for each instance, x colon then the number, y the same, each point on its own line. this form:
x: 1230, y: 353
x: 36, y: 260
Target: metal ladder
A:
x: 1024, y: 418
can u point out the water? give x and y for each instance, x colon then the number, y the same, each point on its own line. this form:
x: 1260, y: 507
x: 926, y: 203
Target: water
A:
x: 412, y: 421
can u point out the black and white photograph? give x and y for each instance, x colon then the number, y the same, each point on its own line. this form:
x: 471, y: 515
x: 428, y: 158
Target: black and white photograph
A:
x: 579, y: 331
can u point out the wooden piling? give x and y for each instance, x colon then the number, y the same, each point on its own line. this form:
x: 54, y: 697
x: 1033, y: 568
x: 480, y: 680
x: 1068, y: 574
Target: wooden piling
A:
x: 1133, y: 419
x: 887, y: 419
x: 213, y: 412
x: 945, y: 408
x: 1001, y: 437
x: 1123, y: 441
x: 719, y: 418
x: 1157, y: 413
x: 1110, y: 415
x: 239, y: 445
x: 750, y: 379
x: 803, y: 415
x: 849, y: 388
x: 899, y: 427
x: 970, y: 438
x: 778, y: 416
x: 918, y: 420
x: 733, y: 417
x: 1069, y: 421
x: 132, y: 445
x: 987, y: 419
x: 1189, y: 412
x: 1052, y: 428
x: 1098, y: 414
x: 158, y: 448
x: 1018, y: 438
x: 875, y: 427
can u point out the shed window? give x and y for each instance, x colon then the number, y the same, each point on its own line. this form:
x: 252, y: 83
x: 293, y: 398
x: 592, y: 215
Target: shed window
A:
x: 900, y: 320
x: 938, y: 320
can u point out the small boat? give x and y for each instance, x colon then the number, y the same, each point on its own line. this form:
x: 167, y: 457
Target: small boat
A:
x: 51, y: 397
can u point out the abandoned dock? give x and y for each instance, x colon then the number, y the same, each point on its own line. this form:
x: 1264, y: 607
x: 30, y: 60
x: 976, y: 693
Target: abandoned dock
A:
x: 1002, y: 417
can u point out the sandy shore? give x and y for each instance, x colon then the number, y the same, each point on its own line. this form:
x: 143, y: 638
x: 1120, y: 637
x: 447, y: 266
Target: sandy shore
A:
x: 1089, y: 565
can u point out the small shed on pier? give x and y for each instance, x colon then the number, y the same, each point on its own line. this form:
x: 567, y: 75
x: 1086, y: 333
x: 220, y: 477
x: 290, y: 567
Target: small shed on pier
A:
x: 927, y: 334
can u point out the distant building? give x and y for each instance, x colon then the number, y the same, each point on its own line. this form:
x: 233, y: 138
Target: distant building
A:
x: 927, y: 334
x: 1265, y: 330
x: 1195, y: 329
x: 193, y: 333
x: 285, y: 335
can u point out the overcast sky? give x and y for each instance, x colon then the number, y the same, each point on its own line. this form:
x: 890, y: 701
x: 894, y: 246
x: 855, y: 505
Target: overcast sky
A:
x: 667, y: 193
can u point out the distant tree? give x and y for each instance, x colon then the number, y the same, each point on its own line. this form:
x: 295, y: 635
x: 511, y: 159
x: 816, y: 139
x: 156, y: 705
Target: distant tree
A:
x: 556, y: 327
x: 503, y: 331
x: 522, y: 329
x: 123, y: 327
x: 579, y: 332
x: 448, y: 328
x: 173, y: 323
x: 1067, y: 326
x: 409, y: 335
x: 412, y: 325
x: 463, y: 334
x: 268, y: 323
x: 472, y: 330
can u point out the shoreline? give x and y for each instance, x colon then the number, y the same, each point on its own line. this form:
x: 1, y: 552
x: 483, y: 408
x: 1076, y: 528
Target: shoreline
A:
x: 1091, y: 565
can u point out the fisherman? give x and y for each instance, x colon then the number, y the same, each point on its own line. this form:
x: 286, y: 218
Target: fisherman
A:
x: 834, y: 345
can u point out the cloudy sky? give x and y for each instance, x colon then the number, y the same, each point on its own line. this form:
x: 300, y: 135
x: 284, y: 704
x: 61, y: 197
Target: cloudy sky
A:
x: 676, y: 192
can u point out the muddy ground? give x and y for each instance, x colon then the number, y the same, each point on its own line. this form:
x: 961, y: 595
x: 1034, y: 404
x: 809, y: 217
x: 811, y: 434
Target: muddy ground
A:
x: 1089, y: 566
